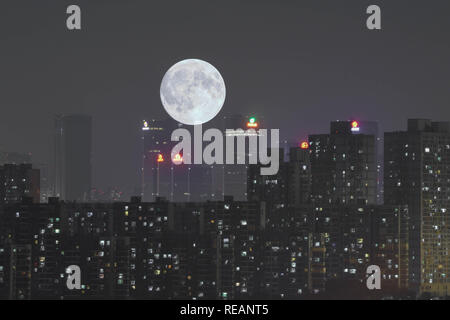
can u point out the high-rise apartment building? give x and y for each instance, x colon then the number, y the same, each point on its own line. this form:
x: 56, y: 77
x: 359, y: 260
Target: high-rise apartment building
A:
x: 33, y: 246
x: 372, y: 128
x: 389, y: 245
x: 417, y: 174
x: 343, y: 165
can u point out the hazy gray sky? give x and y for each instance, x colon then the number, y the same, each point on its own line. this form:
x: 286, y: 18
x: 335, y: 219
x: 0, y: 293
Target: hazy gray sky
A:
x: 300, y: 63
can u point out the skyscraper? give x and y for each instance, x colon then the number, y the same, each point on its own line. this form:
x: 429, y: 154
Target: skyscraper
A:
x: 170, y: 178
x: 343, y: 165
x: 157, y: 167
x: 417, y: 174
x: 73, y: 143
x: 371, y: 128
x: 234, y: 176
x: 45, y: 183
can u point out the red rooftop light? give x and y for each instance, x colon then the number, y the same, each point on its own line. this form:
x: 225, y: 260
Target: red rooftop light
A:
x: 304, y: 145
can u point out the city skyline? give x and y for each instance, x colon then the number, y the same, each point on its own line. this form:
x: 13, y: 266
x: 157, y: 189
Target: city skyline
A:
x: 301, y: 65
x: 191, y: 150
x: 304, y: 233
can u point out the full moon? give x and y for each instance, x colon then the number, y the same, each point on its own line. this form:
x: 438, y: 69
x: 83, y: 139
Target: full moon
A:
x: 192, y: 92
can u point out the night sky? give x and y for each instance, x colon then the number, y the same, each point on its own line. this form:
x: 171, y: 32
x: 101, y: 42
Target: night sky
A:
x: 298, y: 63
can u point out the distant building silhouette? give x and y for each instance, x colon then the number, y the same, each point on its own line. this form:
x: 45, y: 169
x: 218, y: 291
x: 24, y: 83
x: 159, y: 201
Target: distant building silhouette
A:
x: 14, y: 158
x: 73, y: 148
x: 19, y: 181
x: 160, y: 178
x: 163, y: 177
x: 233, y: 177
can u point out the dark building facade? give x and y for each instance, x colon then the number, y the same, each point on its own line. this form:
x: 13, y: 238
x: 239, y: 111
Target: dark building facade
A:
x: 32, y: 240
x: 291, y: 186
x: 372, y: 128
x: 210, y: 250
x: 417, y: 174
x: 343, y: 166
x: 18, y: 181
x: 390, y: 245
